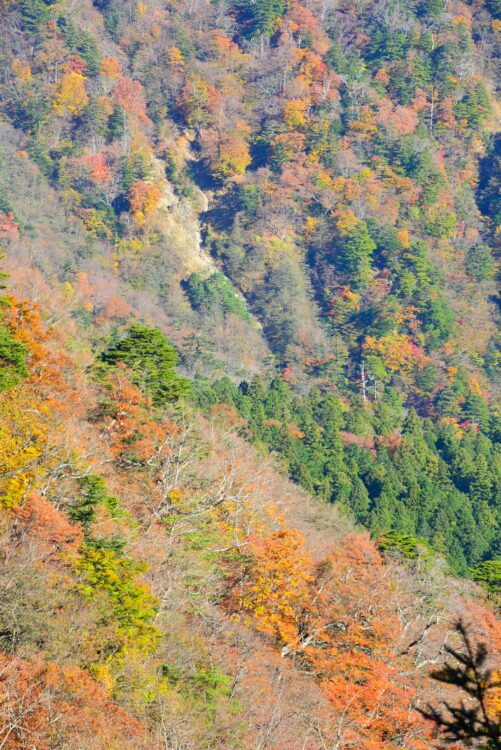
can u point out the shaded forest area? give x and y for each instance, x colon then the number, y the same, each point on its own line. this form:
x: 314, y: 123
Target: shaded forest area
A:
x: 249, y: 348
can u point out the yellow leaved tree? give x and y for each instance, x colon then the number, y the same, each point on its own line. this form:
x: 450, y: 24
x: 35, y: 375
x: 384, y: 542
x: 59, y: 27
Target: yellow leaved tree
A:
x: 70, y: 94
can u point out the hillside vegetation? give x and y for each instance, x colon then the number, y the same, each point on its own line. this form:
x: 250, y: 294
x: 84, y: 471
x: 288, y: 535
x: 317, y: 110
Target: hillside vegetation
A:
x: 250, y: 478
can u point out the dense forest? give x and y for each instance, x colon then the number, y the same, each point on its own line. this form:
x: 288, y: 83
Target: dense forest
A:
x: 250, y: 466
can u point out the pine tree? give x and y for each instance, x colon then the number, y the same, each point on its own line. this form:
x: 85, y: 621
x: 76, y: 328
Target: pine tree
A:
x: 258, y: 17
x: 116, y: 124
x: 34, y: 14
x: 152, y: 359
x: 488, y: 574
x: 12, y: 360
x: 479, y: 262
x: 471, y: 721
x: 353, y: 253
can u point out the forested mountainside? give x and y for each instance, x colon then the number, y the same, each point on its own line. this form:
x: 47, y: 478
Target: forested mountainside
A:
x: 250, y: 478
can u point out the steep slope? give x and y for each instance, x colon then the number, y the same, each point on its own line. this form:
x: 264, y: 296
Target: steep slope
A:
x: 303, y: 197
x: 301, y: 189
x: 154, y: 567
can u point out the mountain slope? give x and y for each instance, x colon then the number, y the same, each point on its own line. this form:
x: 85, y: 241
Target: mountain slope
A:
x: 249, y: 362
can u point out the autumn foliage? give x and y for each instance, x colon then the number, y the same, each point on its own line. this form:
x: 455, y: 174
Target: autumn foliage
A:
x: 249, y: 433
x: 46, y: 702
